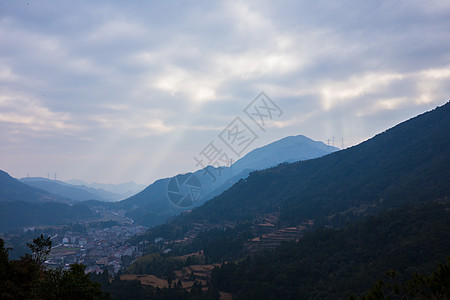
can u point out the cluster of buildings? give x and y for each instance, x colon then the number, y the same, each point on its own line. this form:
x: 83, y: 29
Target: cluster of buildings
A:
x: 97, y: 248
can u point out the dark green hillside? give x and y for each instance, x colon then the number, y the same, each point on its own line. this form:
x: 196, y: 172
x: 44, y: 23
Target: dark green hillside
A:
x: 22, y: 205
x: 329, y: 264
x: 15, y: 214
x: 406, y: 164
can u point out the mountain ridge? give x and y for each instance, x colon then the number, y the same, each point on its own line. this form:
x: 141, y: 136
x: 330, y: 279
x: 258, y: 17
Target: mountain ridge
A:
x: 23, y: 205
x: 381, y: 156
x: 151, y: 206
x: 124, y: 190
x: 64, y: 189
x: 406, y: 164
x: 12, y: 189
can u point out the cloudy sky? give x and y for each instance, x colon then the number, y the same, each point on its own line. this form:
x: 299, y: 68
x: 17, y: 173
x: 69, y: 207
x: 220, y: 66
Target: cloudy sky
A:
x: 112, y: 92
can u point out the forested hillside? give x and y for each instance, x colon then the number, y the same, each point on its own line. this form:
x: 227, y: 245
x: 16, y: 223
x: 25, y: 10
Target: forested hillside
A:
x: 330, y: 264
x: 16, y: 214
x: 22, y: 205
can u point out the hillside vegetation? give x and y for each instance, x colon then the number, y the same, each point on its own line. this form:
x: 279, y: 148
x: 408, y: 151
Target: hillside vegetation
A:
x: 332, y: 264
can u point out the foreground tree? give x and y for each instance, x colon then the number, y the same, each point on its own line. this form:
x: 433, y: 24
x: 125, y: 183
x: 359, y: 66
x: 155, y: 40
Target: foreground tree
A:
x: 71, y: 284
x: 435, y: 286
x: 40, y: 248
x: 27, y: 278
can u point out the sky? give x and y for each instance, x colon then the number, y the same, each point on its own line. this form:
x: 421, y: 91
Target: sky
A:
x: 112, y: 91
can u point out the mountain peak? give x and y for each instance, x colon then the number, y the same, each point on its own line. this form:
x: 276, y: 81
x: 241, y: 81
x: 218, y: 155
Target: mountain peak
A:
x: 287, y: 149
x: 405, y: 164
x: 152, y: 204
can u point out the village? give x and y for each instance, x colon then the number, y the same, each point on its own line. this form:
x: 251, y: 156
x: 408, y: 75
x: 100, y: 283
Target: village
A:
x: 96, y: 248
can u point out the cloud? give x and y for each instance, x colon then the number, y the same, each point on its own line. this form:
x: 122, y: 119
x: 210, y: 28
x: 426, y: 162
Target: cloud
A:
x: 134, y: 79
x: 27, y: 115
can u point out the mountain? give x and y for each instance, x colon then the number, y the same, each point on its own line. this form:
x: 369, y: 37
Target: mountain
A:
x: 121, y: 191
x: 73, y: 192
x: 289, y: 149
x: 405, y: 165
x: 164, y: 198
x: 23, y: 205
x: 13, y: 190
x: 345, y: 219
x: 408, y: 163
x: 19, y: 214
x: 286, y: 150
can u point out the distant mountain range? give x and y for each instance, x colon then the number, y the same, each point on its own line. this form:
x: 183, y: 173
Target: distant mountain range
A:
x: 70, y: 191
x: 121, y: 190
x: 151, y: 206
x: 24, y: 205
x: 155, y: 204
x: 12, y: 189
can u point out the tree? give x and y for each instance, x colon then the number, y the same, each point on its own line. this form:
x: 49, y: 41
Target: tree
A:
x: 434, y: 286
x: 41, y: 248
x: 4, y: 267
x: 18, y: 278
x: 197, y: 288
x: 27, y: 278
x: 3, y: 259
x: 169, y: 279
x: 69, y: 284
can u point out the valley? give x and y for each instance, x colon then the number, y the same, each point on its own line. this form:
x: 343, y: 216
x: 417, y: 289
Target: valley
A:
x: 378, y: 205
